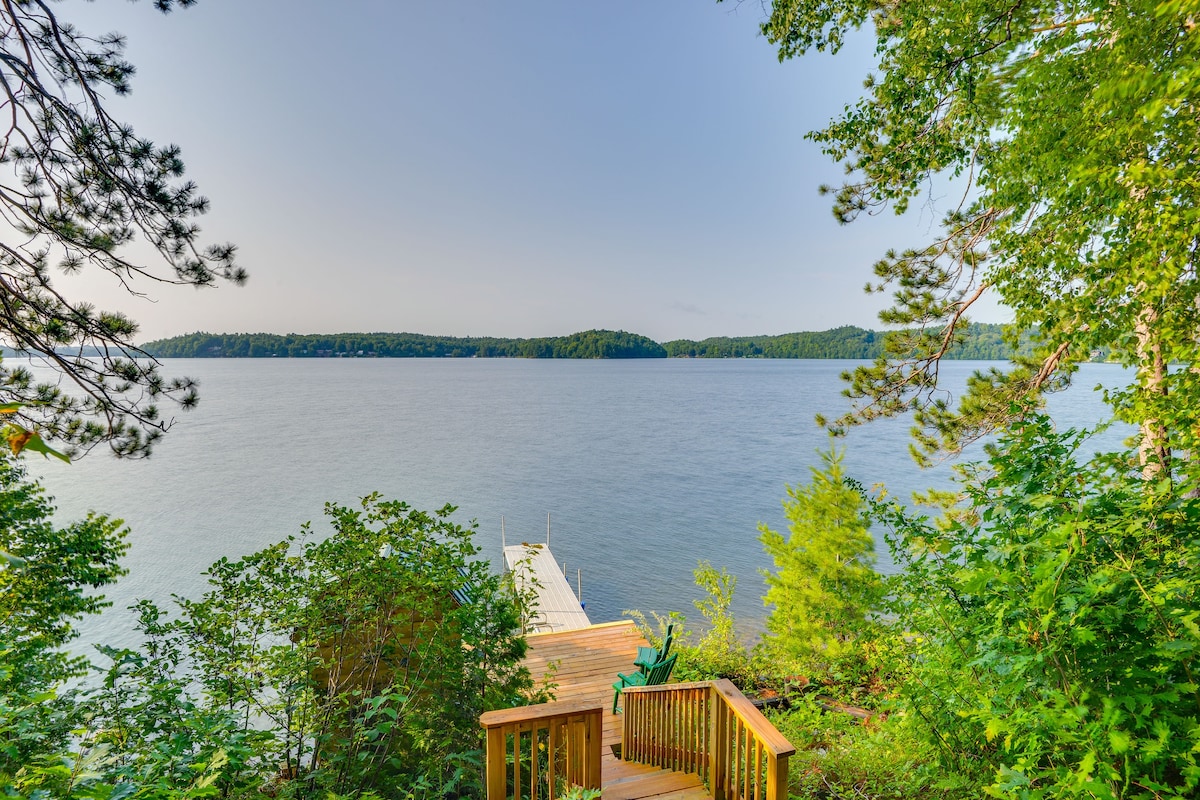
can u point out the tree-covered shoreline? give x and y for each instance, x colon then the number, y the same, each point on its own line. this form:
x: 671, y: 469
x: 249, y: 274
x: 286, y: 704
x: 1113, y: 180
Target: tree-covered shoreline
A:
x: 980, y: 342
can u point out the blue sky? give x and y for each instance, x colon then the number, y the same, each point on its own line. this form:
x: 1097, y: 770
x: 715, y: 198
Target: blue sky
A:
x: 510, y: 169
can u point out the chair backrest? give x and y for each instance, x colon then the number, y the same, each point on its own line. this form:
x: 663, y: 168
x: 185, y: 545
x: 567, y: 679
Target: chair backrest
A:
x: 666, y: 648
x: 661, y: 672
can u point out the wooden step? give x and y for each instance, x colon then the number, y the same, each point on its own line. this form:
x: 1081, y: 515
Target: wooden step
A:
x: 637, y: 781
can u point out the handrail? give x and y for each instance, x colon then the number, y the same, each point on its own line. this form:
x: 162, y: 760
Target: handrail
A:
x: 710, y: 728
x: 532, y: 749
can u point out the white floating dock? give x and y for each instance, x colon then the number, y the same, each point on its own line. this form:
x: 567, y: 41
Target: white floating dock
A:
x: 558, y: 609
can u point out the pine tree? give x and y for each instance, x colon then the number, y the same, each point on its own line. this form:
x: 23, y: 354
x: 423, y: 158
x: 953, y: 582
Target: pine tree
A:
x: 824, y: 586
x: 77, y: 189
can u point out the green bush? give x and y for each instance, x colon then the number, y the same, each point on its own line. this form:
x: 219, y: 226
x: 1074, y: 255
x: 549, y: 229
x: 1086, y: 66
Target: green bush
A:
x: 1052, y: 630
x: 350, y: 664
x: 717, y: 652
x: 838, y: 756
x: 48, y: 581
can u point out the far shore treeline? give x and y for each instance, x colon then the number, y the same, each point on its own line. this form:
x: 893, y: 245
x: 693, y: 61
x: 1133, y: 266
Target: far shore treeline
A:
x: 981, y: 341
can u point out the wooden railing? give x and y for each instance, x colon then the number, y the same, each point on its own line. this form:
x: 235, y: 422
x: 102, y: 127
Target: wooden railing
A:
x: 709, y: 728
x: 537, y: 751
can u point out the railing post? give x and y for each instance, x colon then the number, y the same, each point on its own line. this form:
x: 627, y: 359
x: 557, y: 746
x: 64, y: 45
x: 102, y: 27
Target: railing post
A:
x: 777, y: 778
x: 717, y: 765
x: 553, y: 738
x: 496, y: 779
x: 595, y: 742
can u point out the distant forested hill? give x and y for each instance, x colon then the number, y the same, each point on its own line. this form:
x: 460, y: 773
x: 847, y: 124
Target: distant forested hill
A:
x: 588, y: 344
x: 982, y: 342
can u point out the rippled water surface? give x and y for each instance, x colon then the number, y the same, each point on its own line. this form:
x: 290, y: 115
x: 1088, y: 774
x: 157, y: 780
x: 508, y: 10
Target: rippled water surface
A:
x: 645, y: 466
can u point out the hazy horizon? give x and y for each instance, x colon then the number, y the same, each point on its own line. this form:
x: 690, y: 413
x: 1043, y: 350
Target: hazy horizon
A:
x: 519, y: 170
x: 485, y: 335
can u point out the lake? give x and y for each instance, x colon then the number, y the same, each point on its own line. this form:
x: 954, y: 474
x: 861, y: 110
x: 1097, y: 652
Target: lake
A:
x: 645, y: 466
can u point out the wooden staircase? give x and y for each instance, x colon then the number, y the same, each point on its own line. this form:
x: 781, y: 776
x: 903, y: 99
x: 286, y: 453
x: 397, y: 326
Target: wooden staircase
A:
x: 684, y: 741
x: 628, y: 781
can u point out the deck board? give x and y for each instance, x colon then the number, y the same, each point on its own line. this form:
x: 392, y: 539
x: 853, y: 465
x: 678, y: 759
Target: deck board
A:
x: 583, y: 665
x: 653, y: 782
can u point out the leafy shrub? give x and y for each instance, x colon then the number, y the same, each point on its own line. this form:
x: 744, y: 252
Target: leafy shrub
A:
x: 717, y: 652
x: 838, y: 756
x: 48, y: 581
x: 1053, y: 630
x: 351, y: 664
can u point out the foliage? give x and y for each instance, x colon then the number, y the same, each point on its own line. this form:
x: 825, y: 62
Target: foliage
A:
x: 839, y: 756
x: 20, y: 438
x: 824, y: 588
x: 718, y: 649
x: 579, y: 793
x: 355, y: 665
x: 979, y: 341
x: 77, y: 189
x: 50, y: 583
x: 1066, y: 130
x: 1052, y: 622
x: 587, y: 344
x: 1053, y: 632
x: 358, y: 664
x: 715, y: 653
x: 47, y: 584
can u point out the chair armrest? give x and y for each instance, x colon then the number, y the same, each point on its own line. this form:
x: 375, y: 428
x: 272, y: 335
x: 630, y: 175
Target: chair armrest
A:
x: 636, y: 679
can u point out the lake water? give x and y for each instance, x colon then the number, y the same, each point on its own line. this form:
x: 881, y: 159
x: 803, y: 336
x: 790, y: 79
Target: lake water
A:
x: 645, y: 466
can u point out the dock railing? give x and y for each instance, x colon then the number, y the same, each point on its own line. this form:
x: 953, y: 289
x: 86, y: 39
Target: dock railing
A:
x: 710, y: 728
x: 536, y: 751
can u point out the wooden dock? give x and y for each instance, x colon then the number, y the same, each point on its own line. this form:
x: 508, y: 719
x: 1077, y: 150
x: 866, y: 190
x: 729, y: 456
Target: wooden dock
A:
x: 536, y: 570
x: 582, y: 664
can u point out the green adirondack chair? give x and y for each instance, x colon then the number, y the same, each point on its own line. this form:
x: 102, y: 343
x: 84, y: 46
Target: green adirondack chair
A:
x: 657, y: 674
x: 648, y: 656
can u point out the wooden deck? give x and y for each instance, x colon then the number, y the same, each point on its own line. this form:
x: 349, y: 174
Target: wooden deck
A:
x: 582, y: 665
